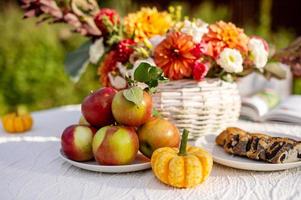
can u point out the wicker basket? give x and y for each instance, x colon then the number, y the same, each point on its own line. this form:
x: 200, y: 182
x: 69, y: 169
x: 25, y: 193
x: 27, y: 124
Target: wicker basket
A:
x: 201, y: 107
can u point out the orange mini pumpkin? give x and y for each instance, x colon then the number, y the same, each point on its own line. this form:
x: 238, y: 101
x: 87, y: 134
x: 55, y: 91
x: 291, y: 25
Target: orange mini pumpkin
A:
x: 183, y: 168
x: 17, y: 122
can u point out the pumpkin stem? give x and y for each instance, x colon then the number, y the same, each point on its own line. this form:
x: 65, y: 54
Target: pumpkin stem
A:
x: 183, y: 145
x: 21, y: 110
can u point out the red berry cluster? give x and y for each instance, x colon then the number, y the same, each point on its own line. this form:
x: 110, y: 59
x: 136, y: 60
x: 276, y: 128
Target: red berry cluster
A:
x: 124, y: 49
x: 112, y: 16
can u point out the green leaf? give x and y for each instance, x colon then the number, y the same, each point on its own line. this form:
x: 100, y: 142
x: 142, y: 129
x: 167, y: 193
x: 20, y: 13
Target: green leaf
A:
x: 228, y: 77
x: 77, y: 61
x: 141, y: 74
x: 148, y: 74
x: 163, y: 79
x: 134, y: 95
x: 156, y: 113
x: 153, y: 83
x: 154, y: 73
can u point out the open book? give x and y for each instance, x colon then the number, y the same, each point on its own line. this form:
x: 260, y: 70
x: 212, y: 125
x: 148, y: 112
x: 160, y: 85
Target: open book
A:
x: 266, y: 106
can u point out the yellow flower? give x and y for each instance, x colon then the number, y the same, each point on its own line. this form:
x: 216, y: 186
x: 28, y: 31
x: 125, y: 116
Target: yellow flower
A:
x: 147, y: 23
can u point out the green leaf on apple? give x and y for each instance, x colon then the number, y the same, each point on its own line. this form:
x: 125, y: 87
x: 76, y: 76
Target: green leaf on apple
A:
x: 134, y: 95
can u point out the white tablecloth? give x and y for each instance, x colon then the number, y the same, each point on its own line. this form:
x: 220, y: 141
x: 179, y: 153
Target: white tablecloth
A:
x: 30, y: 168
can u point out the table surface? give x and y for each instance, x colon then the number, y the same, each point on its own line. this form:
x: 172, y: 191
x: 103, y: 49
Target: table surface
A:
x: 30, y: 168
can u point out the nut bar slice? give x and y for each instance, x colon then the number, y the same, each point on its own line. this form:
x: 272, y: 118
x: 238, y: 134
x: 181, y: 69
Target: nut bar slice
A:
x: 257, y: 146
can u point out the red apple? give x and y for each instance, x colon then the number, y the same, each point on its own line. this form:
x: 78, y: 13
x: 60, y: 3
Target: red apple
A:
x: 128, y: 113
x: 76, y: 142
x: 96, y: 108
x: 115, y: 145
x: 157, y: 133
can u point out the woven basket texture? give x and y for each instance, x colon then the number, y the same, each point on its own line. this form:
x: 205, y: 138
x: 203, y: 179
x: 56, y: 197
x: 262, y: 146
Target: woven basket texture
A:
x: 202, y: 107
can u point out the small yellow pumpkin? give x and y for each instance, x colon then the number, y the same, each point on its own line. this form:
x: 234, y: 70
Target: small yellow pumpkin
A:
x: 17, y: 122
x: 183, y: 168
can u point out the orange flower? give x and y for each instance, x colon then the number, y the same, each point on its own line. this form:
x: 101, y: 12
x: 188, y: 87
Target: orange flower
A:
x: 108, y: 65
x: 222, y: 35
x: 174, y: 55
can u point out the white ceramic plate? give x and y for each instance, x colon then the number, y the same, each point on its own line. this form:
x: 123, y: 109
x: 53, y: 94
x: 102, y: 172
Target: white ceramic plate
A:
x: 223, y: 158
x: 140, y: 163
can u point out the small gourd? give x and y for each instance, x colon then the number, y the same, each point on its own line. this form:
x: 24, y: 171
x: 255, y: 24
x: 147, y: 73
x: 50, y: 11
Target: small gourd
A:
x: 183, y: 168
x: 17, y: 122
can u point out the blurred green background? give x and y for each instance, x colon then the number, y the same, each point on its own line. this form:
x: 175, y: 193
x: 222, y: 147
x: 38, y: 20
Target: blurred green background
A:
x: 32, y: 56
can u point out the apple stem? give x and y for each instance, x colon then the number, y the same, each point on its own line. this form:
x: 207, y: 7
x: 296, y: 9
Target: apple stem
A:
x: 183, y: 145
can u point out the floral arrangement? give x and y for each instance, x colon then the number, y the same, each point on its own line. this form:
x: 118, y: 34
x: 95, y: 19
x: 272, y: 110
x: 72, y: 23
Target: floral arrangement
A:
x: 291, y: 56
x: 181, y: 48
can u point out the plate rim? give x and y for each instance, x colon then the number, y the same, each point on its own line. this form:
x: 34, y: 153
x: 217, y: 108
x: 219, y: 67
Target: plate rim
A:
x: 250, y: 166
x: 106, y: 168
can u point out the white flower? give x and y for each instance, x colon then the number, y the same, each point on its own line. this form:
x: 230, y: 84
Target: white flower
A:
x: 117, y: 82
x: 96, y: 50
x: 258, y: 53
x: 196, y: 29
x: 122, y: 69
x: 230, y: 60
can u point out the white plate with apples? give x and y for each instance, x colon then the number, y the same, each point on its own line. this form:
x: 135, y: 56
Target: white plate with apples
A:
x: 114, y: 145
x: 140, y: 163
x: 114, y: 148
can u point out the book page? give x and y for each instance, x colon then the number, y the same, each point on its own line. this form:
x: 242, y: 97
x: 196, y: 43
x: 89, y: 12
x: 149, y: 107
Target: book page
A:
x: 256, y: 106
x: 288, y: 111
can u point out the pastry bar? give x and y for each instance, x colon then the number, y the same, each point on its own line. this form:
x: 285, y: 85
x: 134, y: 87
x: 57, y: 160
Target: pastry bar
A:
x: 257, y: 146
